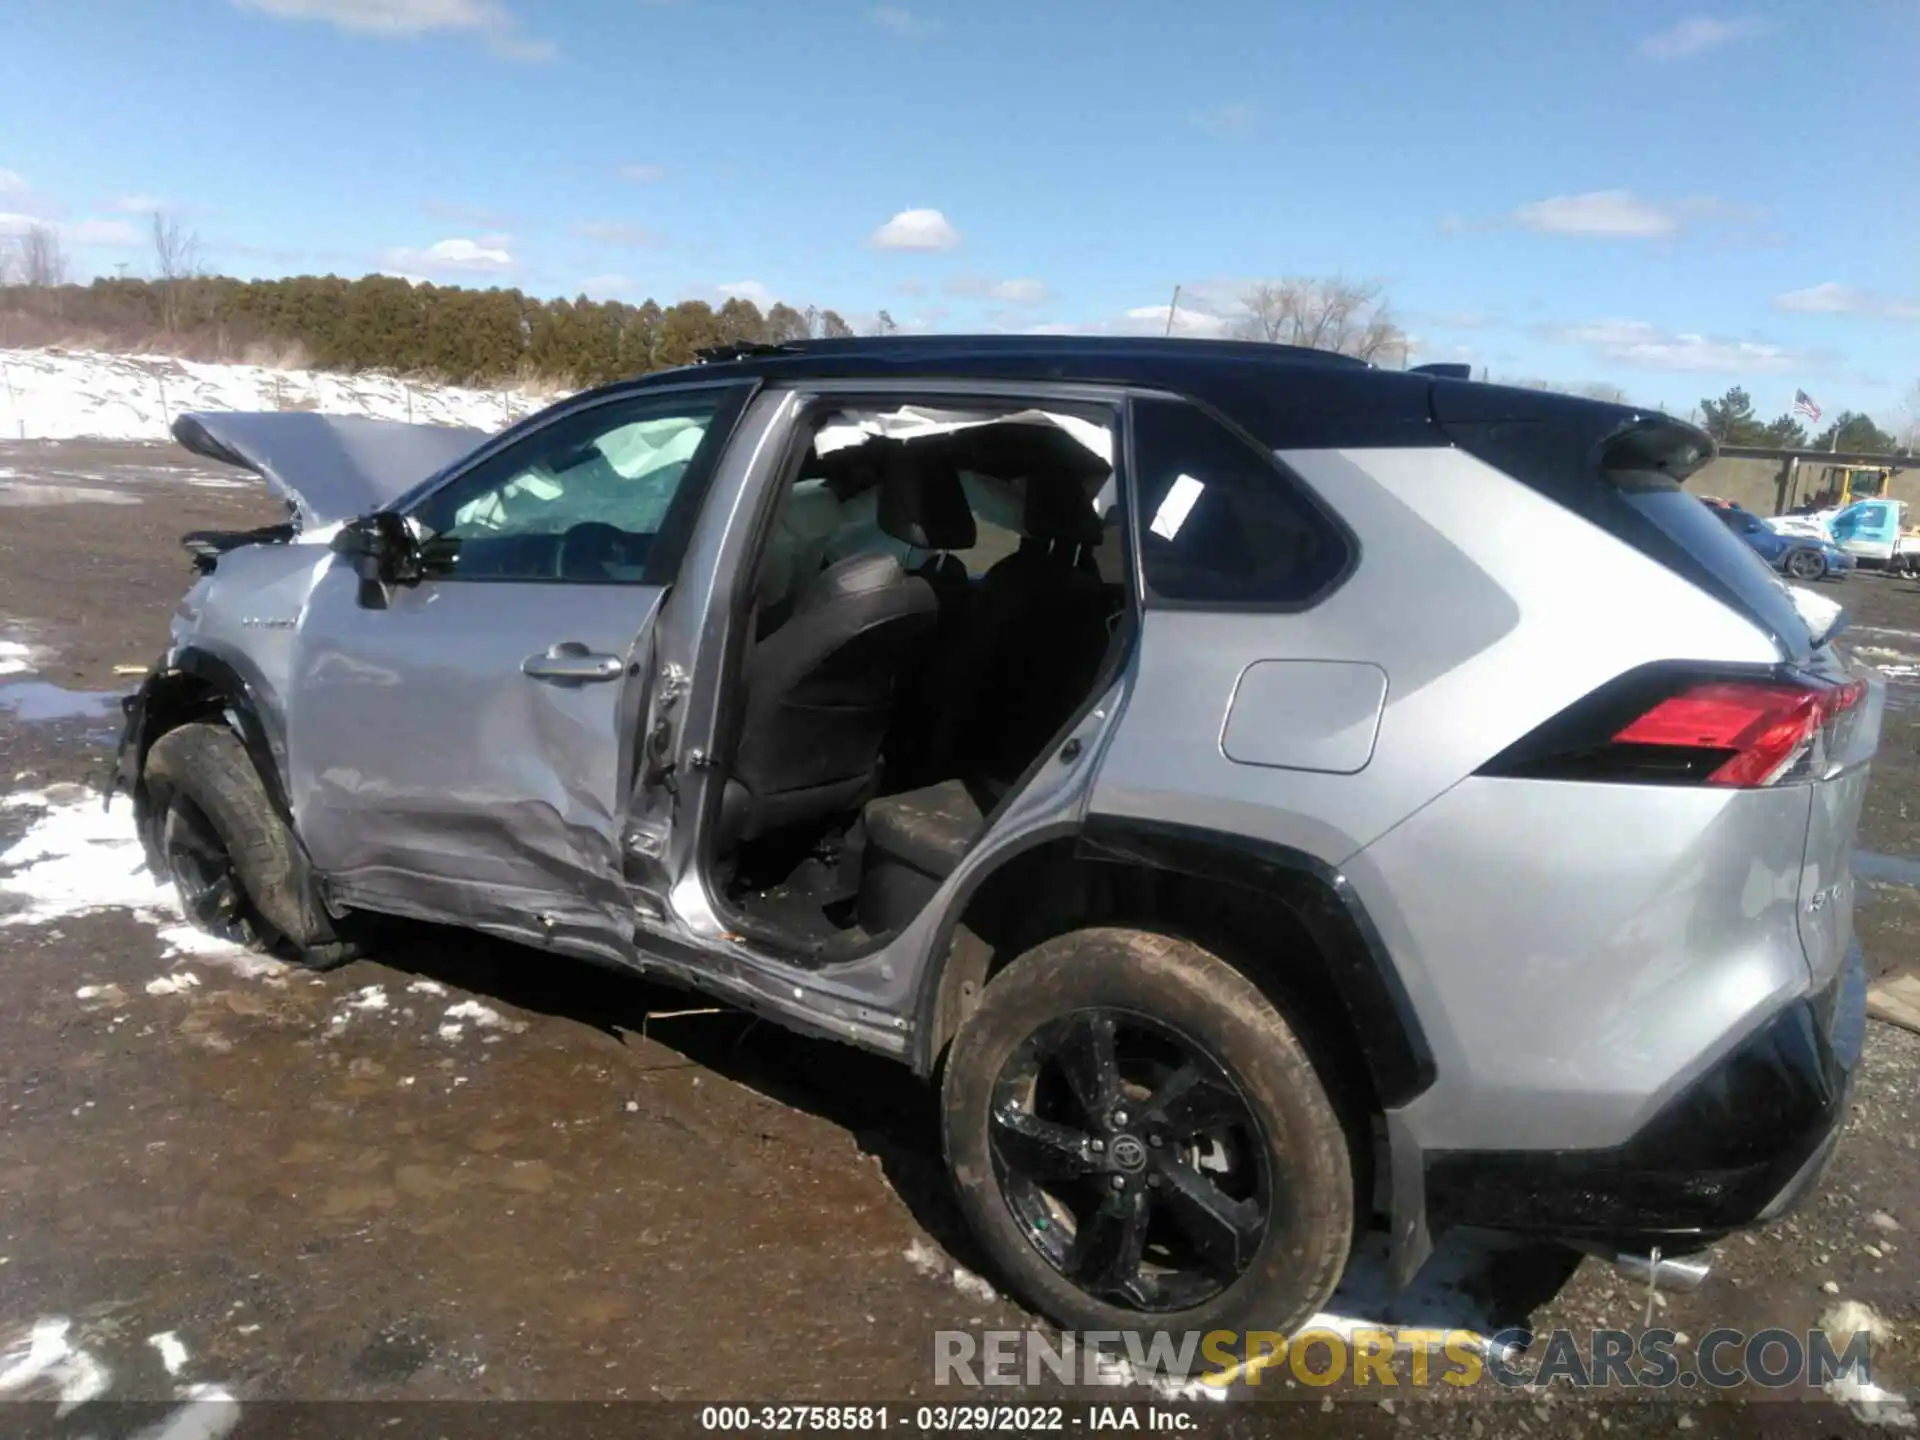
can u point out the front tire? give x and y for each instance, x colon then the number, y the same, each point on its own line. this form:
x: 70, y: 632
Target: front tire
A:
x: 230, y: 856
x: 1139, y: 1138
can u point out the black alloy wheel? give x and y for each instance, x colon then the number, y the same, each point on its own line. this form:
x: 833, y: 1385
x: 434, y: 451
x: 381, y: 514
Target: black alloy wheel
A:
x: 210, y: 889
x: 1130, y: 1159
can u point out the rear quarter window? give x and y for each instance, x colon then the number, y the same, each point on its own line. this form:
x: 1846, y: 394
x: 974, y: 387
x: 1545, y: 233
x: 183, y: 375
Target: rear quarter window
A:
x: 1222, y: 523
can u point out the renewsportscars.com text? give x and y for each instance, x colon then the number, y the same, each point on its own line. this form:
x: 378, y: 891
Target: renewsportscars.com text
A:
x: 1774, y: 1358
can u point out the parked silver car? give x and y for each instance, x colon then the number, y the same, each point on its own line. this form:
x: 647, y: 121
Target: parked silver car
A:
x: 1271, y: 795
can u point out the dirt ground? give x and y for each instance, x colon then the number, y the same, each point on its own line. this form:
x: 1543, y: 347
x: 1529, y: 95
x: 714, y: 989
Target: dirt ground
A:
x: 359, y: 1187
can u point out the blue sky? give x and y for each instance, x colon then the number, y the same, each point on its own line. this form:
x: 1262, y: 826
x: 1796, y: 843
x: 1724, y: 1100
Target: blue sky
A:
x: 1667, y: 198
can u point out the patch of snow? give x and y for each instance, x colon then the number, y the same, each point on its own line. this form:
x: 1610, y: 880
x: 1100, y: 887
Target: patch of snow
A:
x: 1869, y: 1403
x: 931, y: 1263
x: 45, y: 1359
x: 972, y: 1286
x: 173, y: 1354
x: 369, y: 997
x: 176, y: 984
x: 185, y: 940
x: 426, y: 987
x: 15, y: 658
x: 451, y: 1031
x: 211, y: 1412
x: 92, y: 395
x: 78, y: 857
x: 484, y: 1017
x: 1852, y: 1317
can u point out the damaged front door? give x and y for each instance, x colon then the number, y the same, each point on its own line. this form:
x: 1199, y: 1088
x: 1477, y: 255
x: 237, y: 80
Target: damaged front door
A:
x: 459, y: 744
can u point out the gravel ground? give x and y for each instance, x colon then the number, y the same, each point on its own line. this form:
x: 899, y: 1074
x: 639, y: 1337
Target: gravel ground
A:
x: 467, y: 1171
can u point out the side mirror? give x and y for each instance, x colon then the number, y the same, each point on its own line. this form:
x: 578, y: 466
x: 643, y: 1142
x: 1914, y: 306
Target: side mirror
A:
x: 383, y: 548
x: 384, y: 553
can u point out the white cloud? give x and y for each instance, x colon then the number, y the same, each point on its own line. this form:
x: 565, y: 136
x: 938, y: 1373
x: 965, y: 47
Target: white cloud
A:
x: 1005, y: 292
x: 102, y: 232
x: 1235, y: 117
x: 642, y: 174
x: 1193, y: 324
x: 74, y: 232
x: 1617, y: 213
x: 12, y: 182
x: 747, y: 290
x: 138, y: 205
x: 488, y: 19
x: 917, y: 230
x: 1648, y: 347
x: 902, y: 21
x: 485, y: 254
x: 1831, y: 298
x: 466, y: 214
x: 1698, y: 35
x: 616, y: 232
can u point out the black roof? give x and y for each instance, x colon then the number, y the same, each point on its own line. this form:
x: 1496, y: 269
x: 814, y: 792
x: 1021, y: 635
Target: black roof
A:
x: 1286, y: 396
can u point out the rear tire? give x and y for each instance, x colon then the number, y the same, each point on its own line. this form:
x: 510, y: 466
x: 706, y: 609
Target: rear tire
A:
x: 230, y: 856
x: 1206, y: 1183
x: 1806, y: 565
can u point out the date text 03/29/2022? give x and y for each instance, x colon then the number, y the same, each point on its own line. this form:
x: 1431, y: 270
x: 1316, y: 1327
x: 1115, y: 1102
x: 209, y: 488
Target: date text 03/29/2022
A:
x: 945, y: 1419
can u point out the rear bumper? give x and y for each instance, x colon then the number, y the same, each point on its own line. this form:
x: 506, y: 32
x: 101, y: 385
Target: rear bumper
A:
x: 1744, y: 1143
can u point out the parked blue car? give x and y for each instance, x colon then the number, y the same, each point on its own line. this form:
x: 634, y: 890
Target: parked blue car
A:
x: 1800, y: 556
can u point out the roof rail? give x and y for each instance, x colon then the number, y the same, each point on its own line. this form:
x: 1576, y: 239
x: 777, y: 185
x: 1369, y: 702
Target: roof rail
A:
x: 742, y: 350
x: 1447, y: 370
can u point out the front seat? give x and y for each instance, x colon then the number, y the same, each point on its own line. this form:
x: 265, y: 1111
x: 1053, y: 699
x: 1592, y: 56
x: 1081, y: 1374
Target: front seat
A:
x: 820, y: 695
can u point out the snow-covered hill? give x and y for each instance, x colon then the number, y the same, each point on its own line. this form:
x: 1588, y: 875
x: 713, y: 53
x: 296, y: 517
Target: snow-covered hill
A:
x: 77, y: 394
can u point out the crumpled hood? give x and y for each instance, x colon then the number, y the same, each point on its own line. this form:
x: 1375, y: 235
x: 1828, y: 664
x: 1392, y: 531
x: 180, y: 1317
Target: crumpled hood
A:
x: 330, y: 467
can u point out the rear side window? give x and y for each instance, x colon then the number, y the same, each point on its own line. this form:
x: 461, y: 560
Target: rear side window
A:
x: 1221, y: 523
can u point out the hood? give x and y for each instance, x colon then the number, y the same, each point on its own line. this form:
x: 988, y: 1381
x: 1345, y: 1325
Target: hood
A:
x: 329, y: 467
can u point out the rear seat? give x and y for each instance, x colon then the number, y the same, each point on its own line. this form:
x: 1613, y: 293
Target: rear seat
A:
x: 1037, y: 634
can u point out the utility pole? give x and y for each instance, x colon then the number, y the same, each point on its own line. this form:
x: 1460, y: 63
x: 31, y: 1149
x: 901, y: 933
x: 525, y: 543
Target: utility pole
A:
x: 1173, y: 309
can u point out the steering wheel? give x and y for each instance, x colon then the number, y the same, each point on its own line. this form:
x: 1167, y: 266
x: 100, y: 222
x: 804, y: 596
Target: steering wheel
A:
x: 590, y: 549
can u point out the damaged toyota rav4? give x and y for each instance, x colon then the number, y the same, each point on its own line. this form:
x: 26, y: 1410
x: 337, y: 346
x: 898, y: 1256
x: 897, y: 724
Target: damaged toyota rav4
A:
x: 1270, y: 796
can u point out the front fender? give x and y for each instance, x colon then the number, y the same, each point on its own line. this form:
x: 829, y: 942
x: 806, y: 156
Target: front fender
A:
x: 180, y: 688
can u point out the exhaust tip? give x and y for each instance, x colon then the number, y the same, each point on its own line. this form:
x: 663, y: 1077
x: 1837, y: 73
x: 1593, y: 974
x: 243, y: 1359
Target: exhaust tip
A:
x: 1679, y: 1273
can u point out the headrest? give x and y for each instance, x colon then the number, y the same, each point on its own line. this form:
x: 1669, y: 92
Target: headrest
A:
x: 1058, y: 509
x: 855, y: 575
x: 921, y: 499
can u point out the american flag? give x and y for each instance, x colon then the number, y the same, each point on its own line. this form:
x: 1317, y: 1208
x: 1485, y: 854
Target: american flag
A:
x: 1803, y: 405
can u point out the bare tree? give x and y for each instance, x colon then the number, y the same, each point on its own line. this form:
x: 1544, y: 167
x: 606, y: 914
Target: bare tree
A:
x: 883, y: 324
x: 176, y: 258
x: 1602, y: 390
x: 1911, y: 405
x: 42, y: 261
x: 1345, y: 316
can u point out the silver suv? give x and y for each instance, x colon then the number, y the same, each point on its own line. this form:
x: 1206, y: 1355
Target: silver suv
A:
x: 1268, y: 794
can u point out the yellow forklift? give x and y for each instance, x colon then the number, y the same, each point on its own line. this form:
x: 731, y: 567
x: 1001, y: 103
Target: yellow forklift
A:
x: 1848, y: 483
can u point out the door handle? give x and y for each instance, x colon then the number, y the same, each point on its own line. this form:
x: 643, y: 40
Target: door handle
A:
x: 571, y: 663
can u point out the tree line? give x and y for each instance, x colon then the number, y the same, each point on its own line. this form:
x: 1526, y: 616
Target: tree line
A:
x: 1731, y: 421
x: 381, y: 322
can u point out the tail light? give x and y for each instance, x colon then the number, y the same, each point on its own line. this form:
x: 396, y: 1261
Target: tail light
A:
x: 1664, y: 726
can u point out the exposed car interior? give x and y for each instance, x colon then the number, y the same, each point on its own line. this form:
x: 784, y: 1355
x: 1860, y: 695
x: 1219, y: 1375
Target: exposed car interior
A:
x: 937, y: 595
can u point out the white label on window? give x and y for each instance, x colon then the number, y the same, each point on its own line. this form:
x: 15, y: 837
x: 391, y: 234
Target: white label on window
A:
x: 1180, y: 499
